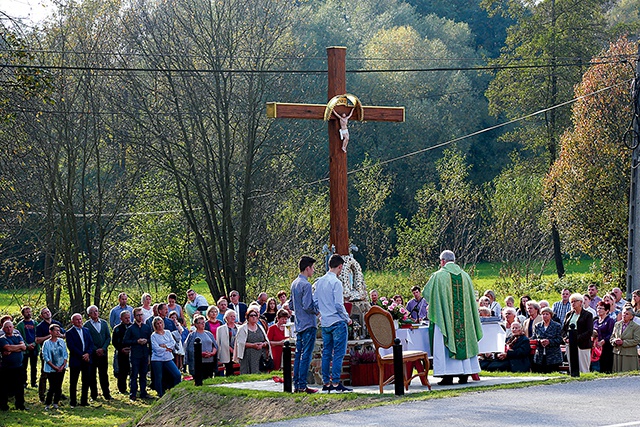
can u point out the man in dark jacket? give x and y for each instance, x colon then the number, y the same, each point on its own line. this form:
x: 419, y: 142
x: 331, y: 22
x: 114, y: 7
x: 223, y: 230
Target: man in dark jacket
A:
x: 122, y: 350
x: 138, y: 338
x: 80, y: 347
x: 99, y: 330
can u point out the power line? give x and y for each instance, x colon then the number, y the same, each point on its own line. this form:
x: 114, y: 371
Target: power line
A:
x: 248, y: 71
x: 303, y: 58
x: 451, y: 141
x: 384, y: 162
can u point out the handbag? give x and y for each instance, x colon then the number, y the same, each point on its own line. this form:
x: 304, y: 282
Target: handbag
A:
x: 266, y: 362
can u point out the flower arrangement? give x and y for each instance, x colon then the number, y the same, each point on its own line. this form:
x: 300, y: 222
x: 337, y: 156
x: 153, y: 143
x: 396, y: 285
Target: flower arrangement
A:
x: 398, y: 312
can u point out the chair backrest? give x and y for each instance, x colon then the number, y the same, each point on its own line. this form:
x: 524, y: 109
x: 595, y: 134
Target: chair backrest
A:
x: 380, y: 326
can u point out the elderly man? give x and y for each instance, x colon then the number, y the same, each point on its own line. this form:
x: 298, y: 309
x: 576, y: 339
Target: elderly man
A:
x: 620, y: 302
x: 11, y: 345
x: 101, y: 337
x: 27, y: 328
x: 454, y: 321
x: 81, y: 348
x: 375, y: 298
x: 239, y: 307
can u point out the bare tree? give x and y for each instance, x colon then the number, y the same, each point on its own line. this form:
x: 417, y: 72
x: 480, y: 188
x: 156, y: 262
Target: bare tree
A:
x: 202, y: 113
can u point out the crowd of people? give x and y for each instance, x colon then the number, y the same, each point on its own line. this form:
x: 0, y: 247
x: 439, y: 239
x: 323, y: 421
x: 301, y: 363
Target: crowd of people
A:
x: 152, y: 340
x: 234, y: 337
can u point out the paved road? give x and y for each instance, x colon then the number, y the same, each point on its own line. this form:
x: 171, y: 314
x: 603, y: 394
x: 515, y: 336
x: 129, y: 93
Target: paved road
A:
x: 606, y: 402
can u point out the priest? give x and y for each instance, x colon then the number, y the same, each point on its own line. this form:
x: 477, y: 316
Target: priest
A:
x: 454, y: 323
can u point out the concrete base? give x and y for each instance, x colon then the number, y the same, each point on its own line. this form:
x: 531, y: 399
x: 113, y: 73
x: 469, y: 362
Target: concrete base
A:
x: 415, y: 387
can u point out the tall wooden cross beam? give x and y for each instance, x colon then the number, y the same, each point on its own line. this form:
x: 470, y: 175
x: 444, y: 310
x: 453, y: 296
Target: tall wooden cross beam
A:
x: 337, y: 82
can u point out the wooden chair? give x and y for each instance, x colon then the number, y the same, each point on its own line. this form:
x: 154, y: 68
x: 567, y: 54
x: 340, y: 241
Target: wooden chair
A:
x: 380, y: 326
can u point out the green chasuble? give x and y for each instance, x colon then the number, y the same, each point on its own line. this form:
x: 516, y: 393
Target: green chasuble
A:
x: 452, y: 306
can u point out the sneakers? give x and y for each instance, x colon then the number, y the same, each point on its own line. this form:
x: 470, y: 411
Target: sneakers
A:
x: 307, y: 390
x: 55, y: 406
x: 327, y: 388
x: 46, y: 408
x: 340, y: 388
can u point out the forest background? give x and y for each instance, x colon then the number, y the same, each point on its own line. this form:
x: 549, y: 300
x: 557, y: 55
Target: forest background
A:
x: 135, y: 152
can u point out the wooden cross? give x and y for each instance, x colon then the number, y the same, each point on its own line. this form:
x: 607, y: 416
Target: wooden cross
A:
x: 337, y: 78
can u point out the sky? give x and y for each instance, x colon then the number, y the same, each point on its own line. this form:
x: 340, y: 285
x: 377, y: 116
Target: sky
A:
x: 33, y: 10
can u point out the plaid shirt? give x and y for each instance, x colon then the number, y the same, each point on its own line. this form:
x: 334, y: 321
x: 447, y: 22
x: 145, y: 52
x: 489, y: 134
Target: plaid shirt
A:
x: 561, y: 310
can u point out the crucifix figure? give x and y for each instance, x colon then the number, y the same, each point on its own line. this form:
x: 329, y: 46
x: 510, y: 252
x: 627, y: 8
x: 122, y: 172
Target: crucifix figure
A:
x: 339, y: 103
x: 344, y: 130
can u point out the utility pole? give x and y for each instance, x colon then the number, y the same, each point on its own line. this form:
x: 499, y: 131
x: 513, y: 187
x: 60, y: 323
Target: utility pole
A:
x: 633, y: 257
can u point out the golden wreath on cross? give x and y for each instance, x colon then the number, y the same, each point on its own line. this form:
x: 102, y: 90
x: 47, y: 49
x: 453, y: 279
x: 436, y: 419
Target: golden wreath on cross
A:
x: 348, y: 100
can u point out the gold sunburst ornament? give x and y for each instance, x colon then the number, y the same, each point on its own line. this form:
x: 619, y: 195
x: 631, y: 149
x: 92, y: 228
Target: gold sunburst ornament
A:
x: 348, y: 100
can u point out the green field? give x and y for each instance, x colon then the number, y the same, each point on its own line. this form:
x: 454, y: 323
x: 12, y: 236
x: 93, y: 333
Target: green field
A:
x: 388, y: 283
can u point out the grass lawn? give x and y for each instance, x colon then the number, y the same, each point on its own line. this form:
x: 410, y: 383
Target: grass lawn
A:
x: 115, y: 412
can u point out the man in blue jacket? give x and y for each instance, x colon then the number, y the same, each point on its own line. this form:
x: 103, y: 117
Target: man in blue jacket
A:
x: 81, y: 348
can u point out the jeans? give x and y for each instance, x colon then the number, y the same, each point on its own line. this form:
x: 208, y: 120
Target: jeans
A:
x: 334, y: 341
x: 139, y: 368
x: 30, y: 356
x: 305, y: 341
x: 167, y: 370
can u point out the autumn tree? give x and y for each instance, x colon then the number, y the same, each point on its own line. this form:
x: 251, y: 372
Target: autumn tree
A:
x: 544, y: 56
x: 588, y: 185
